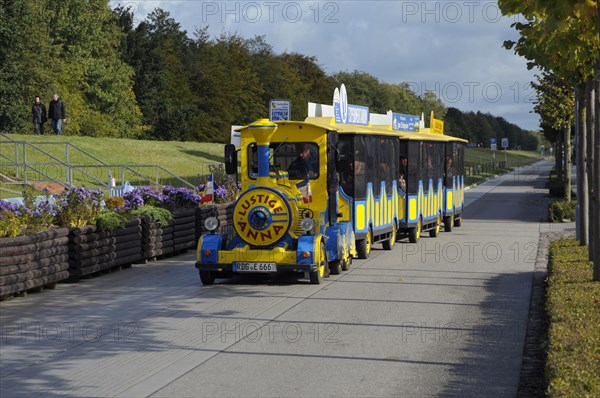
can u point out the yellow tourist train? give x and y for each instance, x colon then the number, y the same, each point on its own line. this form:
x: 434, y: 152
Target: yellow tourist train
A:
x: 318, y: 193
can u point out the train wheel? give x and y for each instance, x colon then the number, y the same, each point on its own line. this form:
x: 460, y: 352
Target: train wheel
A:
x: 335, y: 267
x: 436, y: 231
x: 415, y: 233
x: 316, y: 276
x: 389, y: 244
x: 346, y: 264
x: 458, y: 221
x: 207, y: 277
x: 448, y: 222
x: 364, y: 247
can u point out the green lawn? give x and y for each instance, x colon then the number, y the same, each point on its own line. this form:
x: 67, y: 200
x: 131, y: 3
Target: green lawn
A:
x: 188, y: 160
x: 484, y: 155
x: 481, y: 164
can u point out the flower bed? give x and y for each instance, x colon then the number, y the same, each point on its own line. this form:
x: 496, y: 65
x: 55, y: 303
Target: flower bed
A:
x: 33, y: 261
x: 157, y: 240
x: 184, y: 229
x: 93, y: 251
x: 91, y: 238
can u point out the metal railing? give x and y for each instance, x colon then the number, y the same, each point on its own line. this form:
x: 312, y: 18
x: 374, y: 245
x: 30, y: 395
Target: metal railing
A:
x: 88, y: 170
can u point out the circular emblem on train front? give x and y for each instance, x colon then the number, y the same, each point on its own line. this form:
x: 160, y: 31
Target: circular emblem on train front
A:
x: 261, y: 217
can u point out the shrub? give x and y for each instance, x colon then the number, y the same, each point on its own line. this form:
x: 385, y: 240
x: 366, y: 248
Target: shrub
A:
x: 110, y: 220
x: 178, y: 198
x: 157, y: 214
x: 573, y: 301
x: 35, y: 215
x: 78, y: 207
x: 561, y: 210
x: 114, y: 203
x: 11, y: 222
x: 141, y: 196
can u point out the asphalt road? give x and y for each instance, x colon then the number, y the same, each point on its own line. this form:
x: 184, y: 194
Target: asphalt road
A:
x: 443, y: 317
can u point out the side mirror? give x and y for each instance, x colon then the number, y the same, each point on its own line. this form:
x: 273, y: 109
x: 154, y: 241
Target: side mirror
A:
x: 231, y: 161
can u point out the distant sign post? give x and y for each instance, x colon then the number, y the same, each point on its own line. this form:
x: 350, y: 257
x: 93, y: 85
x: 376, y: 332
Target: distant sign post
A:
x: 280, y: 110
x: 504, y: 144
x: 493, y: 148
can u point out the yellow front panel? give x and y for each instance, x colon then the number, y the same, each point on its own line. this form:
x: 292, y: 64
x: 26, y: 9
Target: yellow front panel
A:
x: 449, y: 200
x: 277, y: 255
x: 360, y: 217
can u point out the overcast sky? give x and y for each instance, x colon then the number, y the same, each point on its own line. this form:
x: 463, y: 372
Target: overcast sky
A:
x: 453, y: 48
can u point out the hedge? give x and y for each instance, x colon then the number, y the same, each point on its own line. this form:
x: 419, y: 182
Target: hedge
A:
x: 573, y: 305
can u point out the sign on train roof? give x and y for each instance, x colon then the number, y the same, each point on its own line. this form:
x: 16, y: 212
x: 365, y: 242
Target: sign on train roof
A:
x: 407, y: 123
x: 346, y: 113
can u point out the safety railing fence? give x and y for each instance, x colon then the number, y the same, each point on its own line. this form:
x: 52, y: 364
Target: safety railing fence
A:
x: 25, y: 163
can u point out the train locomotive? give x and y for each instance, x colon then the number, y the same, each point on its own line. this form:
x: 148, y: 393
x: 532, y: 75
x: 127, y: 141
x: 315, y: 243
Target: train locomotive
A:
x: 278, y: 224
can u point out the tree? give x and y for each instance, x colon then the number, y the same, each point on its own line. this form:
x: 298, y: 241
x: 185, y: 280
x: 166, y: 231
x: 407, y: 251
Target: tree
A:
x: 555, y: 104
x: 69, y: 47
x: 563, y: 37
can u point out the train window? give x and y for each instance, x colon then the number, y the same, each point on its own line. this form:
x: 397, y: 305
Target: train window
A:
x: 460, y: 167
x: 414, y: 169
x: 438, y: 160
x: 428, y: 161
x: 346, y: 163
x: 295, y: 157
x: 449, y: 164
x: 360, y: 166
x: 387, y: 162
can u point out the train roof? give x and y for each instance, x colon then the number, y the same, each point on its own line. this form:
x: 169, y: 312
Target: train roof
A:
x: 328, y: 123
x: 424, y: 134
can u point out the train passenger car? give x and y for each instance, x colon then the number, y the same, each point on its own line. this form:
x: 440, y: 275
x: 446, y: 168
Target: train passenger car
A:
x: 454, y: 184
x: 368, y: 167
x: 433, y: 166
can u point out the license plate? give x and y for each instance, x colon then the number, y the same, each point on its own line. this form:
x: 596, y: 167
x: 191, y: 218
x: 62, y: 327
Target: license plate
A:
x: 254, y: 267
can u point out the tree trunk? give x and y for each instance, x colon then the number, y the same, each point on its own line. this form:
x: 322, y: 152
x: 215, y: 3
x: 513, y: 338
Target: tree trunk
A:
x: 596, y: 171
x: 559, y: 158
x: 582, y: 181
x: 567, y: 161
x: 590, y: 117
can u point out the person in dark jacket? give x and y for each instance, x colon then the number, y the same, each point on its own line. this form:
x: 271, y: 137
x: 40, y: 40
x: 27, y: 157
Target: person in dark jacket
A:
x: 38, y: 111
x: 56, y: 114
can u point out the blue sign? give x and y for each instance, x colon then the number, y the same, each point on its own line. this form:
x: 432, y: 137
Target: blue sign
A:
x: 408, y: 123
x: 280, y: 110
x: 492, y: 141
x: 346, y: 113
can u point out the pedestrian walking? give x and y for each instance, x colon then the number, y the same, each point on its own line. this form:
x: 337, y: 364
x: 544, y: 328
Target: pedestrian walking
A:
x: 38, y: 111
x: 56, y: 114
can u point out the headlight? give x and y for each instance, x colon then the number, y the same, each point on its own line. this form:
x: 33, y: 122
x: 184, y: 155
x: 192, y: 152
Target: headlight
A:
x: 307, y: 224
x: 211, y: 223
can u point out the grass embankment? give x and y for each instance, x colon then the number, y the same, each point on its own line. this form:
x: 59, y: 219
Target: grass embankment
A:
x: 481, y: 164
x: 573, y: 305
x: 187, y: 160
